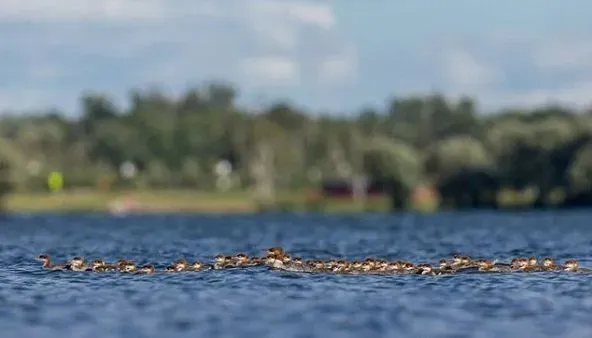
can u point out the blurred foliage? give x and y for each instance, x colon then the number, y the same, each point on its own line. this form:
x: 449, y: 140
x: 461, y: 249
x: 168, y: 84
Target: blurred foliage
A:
x: 176, y: 142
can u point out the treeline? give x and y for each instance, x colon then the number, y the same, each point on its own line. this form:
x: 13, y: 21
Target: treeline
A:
x: 541, y: 156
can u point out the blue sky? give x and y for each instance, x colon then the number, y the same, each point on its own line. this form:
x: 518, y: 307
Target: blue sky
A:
x: 327, y: 55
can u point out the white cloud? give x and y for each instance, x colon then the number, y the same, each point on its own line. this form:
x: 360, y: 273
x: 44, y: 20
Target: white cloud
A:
x: 464, y: 71
x: 563, y: 55
x: 337, y: 69
x: 79, y: 10
x: 270, y: 70
x: 74, y: 45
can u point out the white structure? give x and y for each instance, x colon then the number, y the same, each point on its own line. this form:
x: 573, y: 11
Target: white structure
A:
x: 128, y: 170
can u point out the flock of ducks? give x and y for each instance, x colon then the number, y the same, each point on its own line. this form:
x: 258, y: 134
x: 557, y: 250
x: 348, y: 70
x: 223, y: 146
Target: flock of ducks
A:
x: 277, y: 258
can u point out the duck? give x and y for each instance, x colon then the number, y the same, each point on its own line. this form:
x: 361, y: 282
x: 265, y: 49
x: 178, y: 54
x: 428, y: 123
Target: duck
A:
x: 256, y: 261
x: 275, y: 262
x: 77, y: 264
x: 462, y: 261
x: 148, y: 268
x: 424, y: 269
x: 443, y: 263
x: 240, y: 260
x: 199, y: 266
x: 98, y: 265
x: 519, y: 264
x: 571, y: 265
x: 485, y: 265
x: 275, y: 251
x: 181, y: 265
x: 126, y: 266
x: 44, y: 258
x: 223, y: 262
x: 549, y: 264
x: 532, y: 265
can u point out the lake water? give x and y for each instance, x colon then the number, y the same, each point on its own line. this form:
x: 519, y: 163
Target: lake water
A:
x: 261, y: 303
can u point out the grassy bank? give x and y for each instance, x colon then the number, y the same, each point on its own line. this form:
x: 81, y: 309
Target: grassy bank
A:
x: 179, y: 201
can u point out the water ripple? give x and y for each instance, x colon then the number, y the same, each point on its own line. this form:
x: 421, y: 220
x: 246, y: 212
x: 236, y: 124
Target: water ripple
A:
x: 261, y: 303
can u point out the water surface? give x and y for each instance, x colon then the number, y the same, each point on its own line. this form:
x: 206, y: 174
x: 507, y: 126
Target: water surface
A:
x: 261, y: 303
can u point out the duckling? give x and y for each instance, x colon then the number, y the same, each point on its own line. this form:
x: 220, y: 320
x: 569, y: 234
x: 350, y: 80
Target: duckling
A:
x: 220, y: 261
x: 532, y: 265
x: 394, y: 267
x: 274, y: 262
x: 121, y: 264
x: 44, y: 258
x: 98, y: 265
x: 461, y: 261
x: 571, y: 265
x: 296, y: 264
x: 356, y: 266
x: 77, y: 264
x: 199, y: 266
x: 275, y: 251
x: 256, y: 261
x: 367, y: 266
x: 340, y: 266
x: 170, y: 268
x: 181, y: 265
x: 408, y: 267
x: 286, y: 259
x: 519, y: 263
x: 443, y: 264
x: 382, y: 265
x: 485, y: 265
x: 297, y: 261
x: 424, y: 269
x: 318, y: 266
x: 240, y: 260
x: 130, y: 267
x: 444, y: 270
x: 148, y: 268
x: 549, y: 264
x: 124, y: 265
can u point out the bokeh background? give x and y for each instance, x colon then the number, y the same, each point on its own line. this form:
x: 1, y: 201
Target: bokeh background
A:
x: 294, y: 105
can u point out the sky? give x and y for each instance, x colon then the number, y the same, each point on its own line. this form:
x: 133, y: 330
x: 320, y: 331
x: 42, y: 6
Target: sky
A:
x: 333, y: 56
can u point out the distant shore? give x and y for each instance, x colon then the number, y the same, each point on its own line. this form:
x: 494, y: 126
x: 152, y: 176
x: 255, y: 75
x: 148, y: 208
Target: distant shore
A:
x: 157, y: 201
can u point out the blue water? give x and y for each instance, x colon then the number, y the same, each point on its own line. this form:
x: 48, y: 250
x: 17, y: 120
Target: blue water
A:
x: 261, y: 303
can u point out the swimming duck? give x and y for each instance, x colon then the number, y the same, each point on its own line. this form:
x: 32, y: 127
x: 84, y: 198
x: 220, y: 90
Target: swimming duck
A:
x: 340, y: 266
x: 461, y: 261
x: 199, y: 266
x: 532, y: 265
x: 148, y: 268
x: 443, y: 264
x: 44, y: 258
x: 240, y: 260
x: 256, y: 261
x: 571, y: 265
x: 485, y: 265
x: 98, y: 265
x: 275, y: 251
x: 424, y: 269
x: 77, y: 264
x: 121, y: 264
x: 275, y: 262
x: 126, y: 266
x: 130, y: 267
x: 549, y: 264
x: 519, y: 263
x: 221, y: 261
x: 181, y: 265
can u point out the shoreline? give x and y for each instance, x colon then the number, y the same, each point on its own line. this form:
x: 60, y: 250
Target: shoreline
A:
x: 176, y: 201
